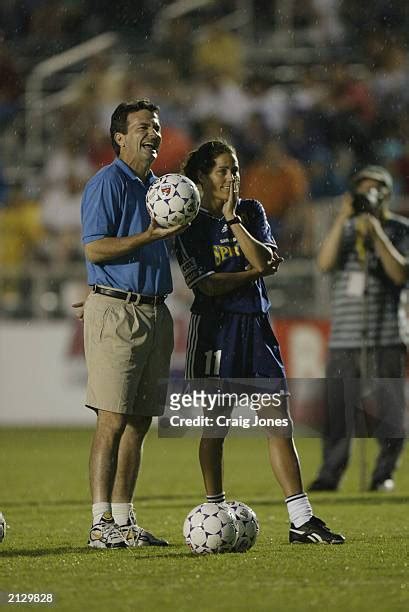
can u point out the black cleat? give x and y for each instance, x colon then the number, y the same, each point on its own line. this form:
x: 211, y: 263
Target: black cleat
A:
x: 386, y: 485
x: 322, y: 485
x: 314, y: 531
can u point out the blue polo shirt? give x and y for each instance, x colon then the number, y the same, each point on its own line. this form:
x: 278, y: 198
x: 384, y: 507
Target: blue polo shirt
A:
x: 113, y: 205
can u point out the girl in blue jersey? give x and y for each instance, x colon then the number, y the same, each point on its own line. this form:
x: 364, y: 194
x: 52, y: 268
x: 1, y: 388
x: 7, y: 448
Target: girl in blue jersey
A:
x: 224, y: 255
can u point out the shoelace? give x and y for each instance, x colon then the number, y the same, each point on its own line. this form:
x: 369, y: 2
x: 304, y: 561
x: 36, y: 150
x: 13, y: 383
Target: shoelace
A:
x: 110, y: 528
x: 132, y: 530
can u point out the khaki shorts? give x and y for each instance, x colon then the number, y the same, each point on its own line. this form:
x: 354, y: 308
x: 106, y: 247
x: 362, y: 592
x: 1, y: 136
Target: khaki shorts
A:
x: 127, y: 350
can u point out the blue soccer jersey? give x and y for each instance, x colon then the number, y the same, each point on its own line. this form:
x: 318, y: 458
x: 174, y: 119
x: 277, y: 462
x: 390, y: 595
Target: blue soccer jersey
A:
x: 209, y: 246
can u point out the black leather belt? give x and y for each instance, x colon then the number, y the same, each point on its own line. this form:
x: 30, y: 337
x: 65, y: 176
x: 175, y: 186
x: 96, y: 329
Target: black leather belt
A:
x: 154, y: 300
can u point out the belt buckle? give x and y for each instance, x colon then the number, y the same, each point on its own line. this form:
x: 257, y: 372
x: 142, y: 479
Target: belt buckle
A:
x: 138, y: 298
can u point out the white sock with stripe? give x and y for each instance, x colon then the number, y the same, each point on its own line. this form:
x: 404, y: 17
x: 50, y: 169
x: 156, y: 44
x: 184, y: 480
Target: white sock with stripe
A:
x: 98, y: 510
x: 219, y: 498
x: 299, y: 509
x: 121, y: 512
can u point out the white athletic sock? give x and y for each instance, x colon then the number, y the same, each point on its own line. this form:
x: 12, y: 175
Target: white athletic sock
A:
x: 216, y: 499
x: 299, y: 509
x: 121, y: 512
x: 98, y: 510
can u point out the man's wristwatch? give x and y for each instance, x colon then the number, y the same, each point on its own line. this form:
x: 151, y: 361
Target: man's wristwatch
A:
x: 233, y: 221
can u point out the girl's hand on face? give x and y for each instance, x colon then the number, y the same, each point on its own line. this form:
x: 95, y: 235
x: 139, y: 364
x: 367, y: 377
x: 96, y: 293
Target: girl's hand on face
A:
x: 229, y: 208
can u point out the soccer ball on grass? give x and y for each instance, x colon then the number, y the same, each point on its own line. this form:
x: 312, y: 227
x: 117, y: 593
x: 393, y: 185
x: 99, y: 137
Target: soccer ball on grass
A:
x: 210, y: 528
x: 3, y: 527
x: 247, y: 526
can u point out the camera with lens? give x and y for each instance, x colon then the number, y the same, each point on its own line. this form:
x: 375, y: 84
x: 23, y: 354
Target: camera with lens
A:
x: 372, y: 200
x: 368, y: 202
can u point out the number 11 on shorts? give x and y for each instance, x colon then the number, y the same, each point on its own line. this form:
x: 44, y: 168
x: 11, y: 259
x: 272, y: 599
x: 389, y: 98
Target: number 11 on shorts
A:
x: 213, y: 358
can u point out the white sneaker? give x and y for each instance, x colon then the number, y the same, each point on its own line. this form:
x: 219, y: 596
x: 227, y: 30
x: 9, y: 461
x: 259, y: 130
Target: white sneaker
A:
x: 3, y: 527
x: 137, y: 536
x: 387, y: 485
x: 106, y: 534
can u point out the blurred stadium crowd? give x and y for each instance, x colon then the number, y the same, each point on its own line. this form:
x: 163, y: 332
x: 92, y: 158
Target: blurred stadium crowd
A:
x: 306, y: 97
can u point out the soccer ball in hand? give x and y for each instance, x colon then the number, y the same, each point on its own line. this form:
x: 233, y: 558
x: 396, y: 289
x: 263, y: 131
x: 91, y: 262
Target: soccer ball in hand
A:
x: 247, y: 525
x: 173, y: 200
x: 210, y: 528
x: 3, y: 527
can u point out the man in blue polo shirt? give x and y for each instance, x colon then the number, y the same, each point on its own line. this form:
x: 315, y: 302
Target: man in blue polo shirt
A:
x: 128, y: 330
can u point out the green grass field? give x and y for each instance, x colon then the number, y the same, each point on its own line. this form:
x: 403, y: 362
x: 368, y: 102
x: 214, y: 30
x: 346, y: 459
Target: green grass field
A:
x: 44, y: 495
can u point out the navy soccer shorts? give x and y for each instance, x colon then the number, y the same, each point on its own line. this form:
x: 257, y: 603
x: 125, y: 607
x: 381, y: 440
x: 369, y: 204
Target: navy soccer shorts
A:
x: 238, y: 346
x: 229, y: 345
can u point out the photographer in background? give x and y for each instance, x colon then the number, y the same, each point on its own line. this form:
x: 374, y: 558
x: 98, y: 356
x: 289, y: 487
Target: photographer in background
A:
x: 366, y: 251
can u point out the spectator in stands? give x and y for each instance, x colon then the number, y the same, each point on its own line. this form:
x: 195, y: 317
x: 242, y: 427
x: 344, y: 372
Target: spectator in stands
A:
x: 14, y: 18
x: 99, y: 148
x: 10, y: 85
x: 350, y: 94
x: 61, y: 218
x: 4, y: 188
x: 348, y: 112
x: 215, y: 94
x: 176, y: 144
x: 64, y: 177
x: 324, y: 182
x: 317, y: 22
x: 386, y: 19
x: 100, y: 87
x: 21, y: 244
x: 21, y: 229
x: 173, y: 94
x: 308, y: 92
x: 57, y: 23
x: 402, y: 165
x: 390, y: 80
x: 175, y: 45
x: 281, y: 183
x: 329, y: 29
x: 303, y: 136
x: 220, y: 52
x: 389, y: 149
x: 307, y: 128
x: 251, y: 138
x: 212, y: 128
x: 270, y: 101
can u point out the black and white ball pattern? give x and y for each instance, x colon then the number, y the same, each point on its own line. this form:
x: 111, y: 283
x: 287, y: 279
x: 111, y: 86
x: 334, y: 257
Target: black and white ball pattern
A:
x: 173, y: 200
x: 247, y: 526
x: 3, y: 527
x: 210, y: 528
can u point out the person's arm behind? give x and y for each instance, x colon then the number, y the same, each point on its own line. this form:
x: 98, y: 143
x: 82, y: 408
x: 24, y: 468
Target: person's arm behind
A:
x: 393, y: 262
x: 329, y: 252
